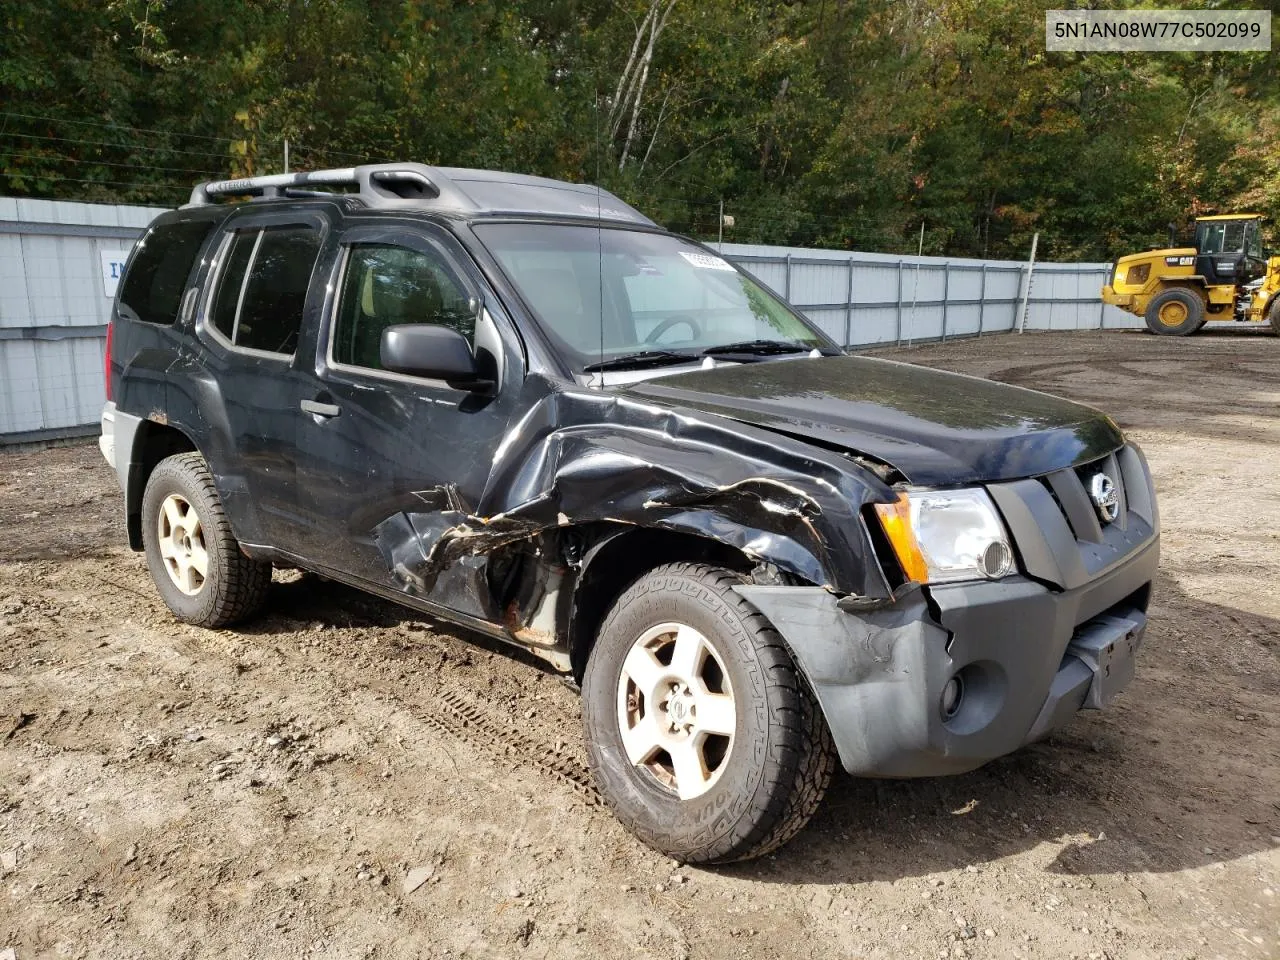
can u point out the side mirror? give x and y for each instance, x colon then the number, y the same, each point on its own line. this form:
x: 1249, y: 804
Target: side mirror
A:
x: 430, y: 350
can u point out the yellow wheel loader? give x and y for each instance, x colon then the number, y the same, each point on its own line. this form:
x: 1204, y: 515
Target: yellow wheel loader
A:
x: 1225, y: 276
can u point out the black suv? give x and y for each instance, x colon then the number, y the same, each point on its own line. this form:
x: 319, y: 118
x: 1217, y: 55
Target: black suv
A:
x: 519, y: 405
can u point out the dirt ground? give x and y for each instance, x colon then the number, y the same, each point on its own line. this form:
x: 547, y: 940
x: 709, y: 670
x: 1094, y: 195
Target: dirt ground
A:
x: 172, y: 792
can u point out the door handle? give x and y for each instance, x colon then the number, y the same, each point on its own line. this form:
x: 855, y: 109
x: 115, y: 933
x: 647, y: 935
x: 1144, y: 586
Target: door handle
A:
x: 320, y: 409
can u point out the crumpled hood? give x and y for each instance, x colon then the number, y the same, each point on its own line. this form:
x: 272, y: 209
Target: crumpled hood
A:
x: 933, y: 427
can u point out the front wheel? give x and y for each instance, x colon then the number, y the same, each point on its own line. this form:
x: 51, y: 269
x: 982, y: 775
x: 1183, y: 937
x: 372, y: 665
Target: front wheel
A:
x: 701, y: 732
x: 1176, y: 312
x: 1274, y: 316
x: 194, y: 559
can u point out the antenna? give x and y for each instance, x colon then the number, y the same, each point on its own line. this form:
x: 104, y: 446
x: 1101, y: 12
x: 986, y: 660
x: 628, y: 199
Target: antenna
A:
x: 599, y: 235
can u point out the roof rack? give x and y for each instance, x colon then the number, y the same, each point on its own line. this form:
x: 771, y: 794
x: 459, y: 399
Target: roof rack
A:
x: 377, y: 184
x: 448, y: 188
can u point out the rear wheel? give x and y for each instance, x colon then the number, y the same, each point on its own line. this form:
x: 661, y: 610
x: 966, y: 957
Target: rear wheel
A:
x: 1274, y: 316
x: 1176, y: 312
x: 702, y: 734
x: 194, y: 559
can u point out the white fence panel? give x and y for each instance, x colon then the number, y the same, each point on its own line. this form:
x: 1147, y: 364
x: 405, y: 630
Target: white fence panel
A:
x: 932, y: 298
x: 54, y: 310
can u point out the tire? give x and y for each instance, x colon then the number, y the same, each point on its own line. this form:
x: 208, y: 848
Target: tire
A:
x: 1273, y: 315
x: 1176, y: 312
x: 760, y: 784
x: 194, y: 560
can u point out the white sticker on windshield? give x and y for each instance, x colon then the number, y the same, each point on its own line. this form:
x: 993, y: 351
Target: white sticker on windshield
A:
x: 707, y: 261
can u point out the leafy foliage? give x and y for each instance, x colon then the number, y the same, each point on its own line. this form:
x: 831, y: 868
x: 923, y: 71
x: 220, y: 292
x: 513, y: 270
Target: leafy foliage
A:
x: 842, y: 123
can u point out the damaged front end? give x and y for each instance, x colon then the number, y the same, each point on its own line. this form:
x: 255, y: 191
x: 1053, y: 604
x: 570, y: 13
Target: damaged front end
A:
x: 918, y: 672
x: 582, y: 469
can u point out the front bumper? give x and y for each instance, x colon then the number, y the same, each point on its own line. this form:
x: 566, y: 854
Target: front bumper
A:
x: 1028, y: 658
x: 1110, y: 296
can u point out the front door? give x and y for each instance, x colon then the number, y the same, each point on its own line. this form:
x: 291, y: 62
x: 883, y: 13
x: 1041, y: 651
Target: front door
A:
x: 377, y: 448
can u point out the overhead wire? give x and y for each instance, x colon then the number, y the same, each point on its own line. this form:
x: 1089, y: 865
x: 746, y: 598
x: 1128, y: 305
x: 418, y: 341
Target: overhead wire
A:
x: 105, y: 143
x: 58, y: 158
x: 295, y: 145
x: 114, y: 126
x: 58, y: 178
x: 322, y: 152
x: 859, y: 225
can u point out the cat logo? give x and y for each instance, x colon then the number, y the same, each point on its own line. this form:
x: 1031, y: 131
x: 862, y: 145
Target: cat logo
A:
x: 1179, y: 261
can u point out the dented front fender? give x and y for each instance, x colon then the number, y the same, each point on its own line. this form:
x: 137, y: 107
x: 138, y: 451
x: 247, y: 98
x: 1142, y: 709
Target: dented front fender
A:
x: 580, y: 457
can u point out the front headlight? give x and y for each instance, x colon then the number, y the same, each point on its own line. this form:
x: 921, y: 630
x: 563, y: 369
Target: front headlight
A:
x: 940, y: 536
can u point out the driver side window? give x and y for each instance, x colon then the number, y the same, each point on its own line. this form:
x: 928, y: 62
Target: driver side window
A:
x: 1233, y: 240
x: 386, y: 285
x: 1253, y: 241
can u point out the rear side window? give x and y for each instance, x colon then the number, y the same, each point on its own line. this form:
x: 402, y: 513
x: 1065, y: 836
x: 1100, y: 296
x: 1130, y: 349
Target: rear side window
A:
x: 231, y: 283
x: 152, y: 288
x: 263, y: 287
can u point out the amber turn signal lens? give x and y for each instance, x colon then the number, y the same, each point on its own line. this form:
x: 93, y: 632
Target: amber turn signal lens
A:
x: 896, y: 519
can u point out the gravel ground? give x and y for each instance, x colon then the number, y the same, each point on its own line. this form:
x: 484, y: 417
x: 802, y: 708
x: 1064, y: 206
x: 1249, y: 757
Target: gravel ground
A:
x: 344, y: 778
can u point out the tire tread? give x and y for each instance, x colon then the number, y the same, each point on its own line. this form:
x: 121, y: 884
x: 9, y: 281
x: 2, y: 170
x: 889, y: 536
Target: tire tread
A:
x: 239, y: 584
x: 801, y: 756
x: 1195, y: 316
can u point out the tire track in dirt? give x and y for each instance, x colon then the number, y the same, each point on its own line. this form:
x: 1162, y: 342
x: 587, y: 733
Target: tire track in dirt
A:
x: 466, y: 718
x: 455, y: 708
x: 486, y: 725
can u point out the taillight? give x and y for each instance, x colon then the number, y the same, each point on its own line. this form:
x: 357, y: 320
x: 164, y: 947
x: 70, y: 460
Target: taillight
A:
x: 106, y: 362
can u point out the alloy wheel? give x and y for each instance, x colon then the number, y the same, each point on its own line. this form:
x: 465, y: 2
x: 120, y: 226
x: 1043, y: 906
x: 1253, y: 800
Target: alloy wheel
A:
x: 676, y: 709
x: 182, y: 545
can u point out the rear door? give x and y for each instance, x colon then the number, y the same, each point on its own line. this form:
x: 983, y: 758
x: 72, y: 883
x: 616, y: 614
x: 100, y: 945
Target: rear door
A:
x: 376, y: 445
x: 250, y: 324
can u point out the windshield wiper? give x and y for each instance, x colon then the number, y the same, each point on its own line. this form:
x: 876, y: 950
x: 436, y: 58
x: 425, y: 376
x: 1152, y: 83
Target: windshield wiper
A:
x: 757, y: 348
x: 638, y: 361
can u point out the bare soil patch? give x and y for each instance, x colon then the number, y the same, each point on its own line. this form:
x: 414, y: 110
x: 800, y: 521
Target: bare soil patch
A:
x: 167, y: 791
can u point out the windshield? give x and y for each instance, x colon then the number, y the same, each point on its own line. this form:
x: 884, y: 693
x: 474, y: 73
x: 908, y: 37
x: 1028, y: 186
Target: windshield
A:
x: 1222, y: 236
x: 606, y: 293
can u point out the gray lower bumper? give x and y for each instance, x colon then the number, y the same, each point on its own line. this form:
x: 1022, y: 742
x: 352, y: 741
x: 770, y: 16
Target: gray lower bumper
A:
x: 118, y: 445
x: 107, y: 437
x: 115, y: 442
x: 1027, y: 659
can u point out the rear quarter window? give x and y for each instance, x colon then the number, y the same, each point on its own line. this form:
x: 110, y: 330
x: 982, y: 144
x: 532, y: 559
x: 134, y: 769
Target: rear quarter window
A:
x: 157, y: 276
x: 262, y: 287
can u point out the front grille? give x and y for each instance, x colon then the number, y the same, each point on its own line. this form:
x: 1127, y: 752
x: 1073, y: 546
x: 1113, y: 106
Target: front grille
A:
x: 1061, y: 535
x: 1071, y: 490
